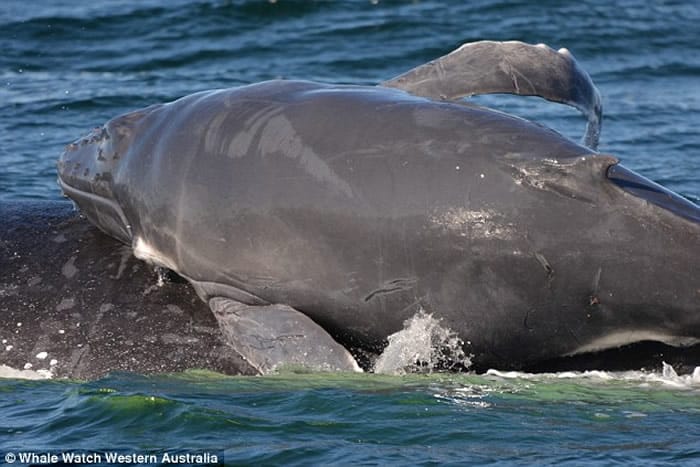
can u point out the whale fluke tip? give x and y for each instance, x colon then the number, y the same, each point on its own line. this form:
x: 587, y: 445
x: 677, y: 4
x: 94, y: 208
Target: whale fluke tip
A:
x: 512, y: 67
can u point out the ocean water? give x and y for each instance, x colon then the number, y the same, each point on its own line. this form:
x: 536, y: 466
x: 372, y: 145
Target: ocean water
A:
x: 312, y: 419
x: 67, y: 66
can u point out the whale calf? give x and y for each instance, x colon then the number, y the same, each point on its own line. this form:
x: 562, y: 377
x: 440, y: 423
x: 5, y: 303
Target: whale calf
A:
x: 315, y: 220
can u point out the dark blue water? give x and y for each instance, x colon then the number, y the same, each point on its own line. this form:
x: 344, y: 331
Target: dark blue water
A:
x: 68, y: 65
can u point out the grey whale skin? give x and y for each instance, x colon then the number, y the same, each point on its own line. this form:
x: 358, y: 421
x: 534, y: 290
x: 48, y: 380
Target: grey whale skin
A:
x: 83, y: 298
x: 70, y: 291
x: 317, y: 219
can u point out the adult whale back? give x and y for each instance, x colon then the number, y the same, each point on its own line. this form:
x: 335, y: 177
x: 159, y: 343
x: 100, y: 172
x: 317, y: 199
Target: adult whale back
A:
x: 316, y: 219
x: 75, y: 303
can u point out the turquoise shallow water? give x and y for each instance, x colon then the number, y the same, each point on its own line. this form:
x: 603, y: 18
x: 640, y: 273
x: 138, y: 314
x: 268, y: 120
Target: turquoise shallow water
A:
x: 68, y: 66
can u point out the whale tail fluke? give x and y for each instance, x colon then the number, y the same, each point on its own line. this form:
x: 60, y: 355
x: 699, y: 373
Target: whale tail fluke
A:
x: 489, y: 67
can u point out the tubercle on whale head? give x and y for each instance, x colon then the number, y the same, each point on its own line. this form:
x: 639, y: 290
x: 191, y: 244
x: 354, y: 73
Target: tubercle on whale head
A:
x: 87, y: 164
x: 90, y: 167
x: 90, y: 164
x: 86, y: 174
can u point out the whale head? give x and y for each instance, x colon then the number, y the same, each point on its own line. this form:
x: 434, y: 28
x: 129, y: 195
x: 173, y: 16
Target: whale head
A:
x: 90, y: 168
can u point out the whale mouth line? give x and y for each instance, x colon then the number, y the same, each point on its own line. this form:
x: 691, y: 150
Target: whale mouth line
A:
x: 625, y: 338
x: 644, y: 355
x: 98, y: 208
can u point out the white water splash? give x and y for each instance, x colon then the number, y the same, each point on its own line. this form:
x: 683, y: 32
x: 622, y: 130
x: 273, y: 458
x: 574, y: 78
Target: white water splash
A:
x: 470, y: 396
x: 13, y: 373
x: 422, y: 346
x: 667, y: 377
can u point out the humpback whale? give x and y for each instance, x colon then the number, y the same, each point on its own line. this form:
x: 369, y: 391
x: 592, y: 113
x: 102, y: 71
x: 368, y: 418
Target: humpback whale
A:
x: 75, y: 303
x: 315, y: 220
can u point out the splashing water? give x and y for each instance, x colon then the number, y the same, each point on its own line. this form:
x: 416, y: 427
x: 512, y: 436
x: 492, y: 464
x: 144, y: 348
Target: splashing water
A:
x: 423, y: 345
x: 668, y: 377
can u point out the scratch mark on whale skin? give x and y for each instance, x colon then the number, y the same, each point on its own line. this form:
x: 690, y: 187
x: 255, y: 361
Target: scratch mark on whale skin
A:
x: 392, y: 286
x: 545, y: 265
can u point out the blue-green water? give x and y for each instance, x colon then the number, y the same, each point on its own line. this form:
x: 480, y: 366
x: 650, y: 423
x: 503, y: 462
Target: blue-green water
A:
x: 351, y: 419
x: 67, y: 66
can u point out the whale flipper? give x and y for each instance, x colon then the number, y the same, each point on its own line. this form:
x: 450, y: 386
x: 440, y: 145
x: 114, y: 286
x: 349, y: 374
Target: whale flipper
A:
x: 271, y: 336
x: 512, y: 67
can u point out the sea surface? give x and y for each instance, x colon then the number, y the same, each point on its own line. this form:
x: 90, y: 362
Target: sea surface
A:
x: 67, y: 66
